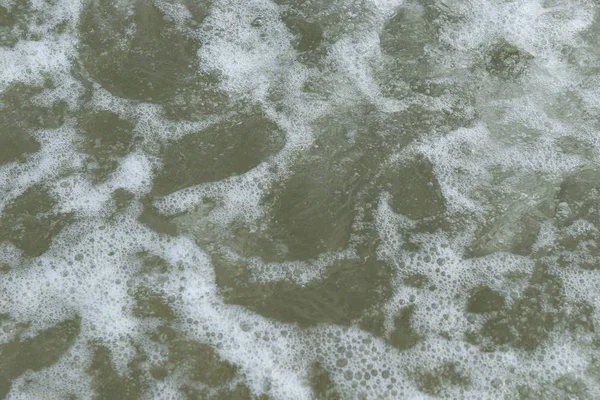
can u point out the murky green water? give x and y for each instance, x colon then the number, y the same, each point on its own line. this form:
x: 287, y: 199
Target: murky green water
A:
x: 295, y: 199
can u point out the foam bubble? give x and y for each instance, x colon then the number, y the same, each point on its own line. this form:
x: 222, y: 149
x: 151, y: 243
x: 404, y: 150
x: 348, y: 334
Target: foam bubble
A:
x: 482, y: 285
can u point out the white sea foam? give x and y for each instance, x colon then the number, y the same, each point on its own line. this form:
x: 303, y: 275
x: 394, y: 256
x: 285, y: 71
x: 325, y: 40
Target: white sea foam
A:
x: 90, y: 264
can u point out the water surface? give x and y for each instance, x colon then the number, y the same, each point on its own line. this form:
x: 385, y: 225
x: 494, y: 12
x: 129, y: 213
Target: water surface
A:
x: 293, y: 199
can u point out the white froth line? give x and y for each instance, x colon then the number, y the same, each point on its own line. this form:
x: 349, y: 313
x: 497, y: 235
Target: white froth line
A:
x: 353, y: 54
x: 303, y: 272
x: 238, y: 191
x: 200, y: 301
x: 254, y: 356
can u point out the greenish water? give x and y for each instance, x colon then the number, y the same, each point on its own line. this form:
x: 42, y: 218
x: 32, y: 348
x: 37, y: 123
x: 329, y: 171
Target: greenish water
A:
x: 294, y: 199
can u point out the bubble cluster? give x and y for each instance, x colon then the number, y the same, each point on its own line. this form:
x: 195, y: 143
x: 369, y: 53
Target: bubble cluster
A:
x: 295, y: 200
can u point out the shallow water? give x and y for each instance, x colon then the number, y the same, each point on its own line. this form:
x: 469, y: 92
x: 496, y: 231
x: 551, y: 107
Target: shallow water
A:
x: 295, y: 199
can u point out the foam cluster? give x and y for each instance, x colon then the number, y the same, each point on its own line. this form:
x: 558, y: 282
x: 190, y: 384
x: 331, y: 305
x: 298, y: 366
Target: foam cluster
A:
x: 293, y: 200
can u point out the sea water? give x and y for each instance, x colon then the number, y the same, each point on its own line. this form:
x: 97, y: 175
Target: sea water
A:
x: 299, y: 199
